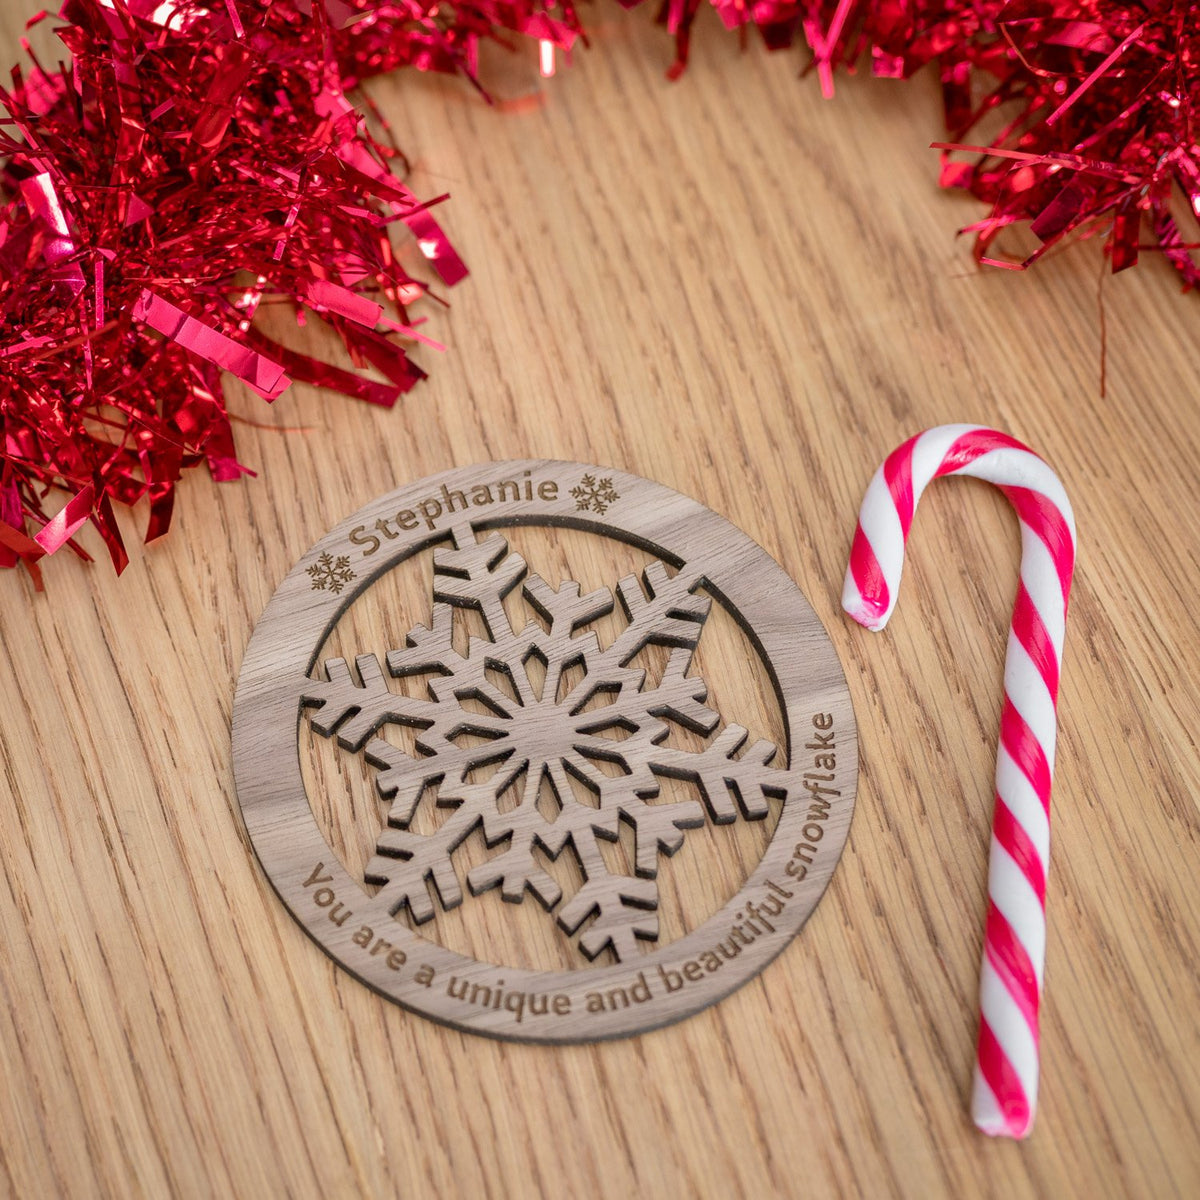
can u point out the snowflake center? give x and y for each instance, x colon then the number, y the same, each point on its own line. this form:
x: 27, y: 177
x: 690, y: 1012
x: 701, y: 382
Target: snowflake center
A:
x: 547, y: 740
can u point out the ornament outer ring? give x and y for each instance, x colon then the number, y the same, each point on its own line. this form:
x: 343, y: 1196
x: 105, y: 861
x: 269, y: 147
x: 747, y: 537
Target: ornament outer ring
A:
x: 801, y: 661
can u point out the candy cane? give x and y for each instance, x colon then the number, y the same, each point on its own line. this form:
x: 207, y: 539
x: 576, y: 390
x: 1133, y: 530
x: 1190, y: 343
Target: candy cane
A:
x: 1014, y: 951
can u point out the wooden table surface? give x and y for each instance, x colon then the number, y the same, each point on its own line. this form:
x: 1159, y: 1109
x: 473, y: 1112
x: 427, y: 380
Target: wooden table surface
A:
x: 750, y: 295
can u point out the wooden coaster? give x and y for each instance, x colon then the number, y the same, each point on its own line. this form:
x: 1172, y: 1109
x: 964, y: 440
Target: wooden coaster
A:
x: 549, y: 740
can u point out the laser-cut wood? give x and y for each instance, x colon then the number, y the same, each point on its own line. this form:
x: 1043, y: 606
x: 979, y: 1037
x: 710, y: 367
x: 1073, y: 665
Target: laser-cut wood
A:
x: 482, y: 710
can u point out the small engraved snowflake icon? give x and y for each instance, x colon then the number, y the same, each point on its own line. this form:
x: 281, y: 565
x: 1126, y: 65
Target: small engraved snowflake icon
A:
x: 332, y: 573
x: 536, y: 712
x: 594, y: 495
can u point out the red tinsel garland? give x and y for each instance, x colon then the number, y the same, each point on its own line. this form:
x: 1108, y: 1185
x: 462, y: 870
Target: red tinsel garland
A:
x: 194, y: 161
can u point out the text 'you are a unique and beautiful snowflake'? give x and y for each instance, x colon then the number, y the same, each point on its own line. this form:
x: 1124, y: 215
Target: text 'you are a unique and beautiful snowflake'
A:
x: 487, y: 738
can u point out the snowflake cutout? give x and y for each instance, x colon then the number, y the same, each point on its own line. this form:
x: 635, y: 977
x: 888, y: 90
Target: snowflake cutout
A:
x: 594, y: 496
x: 332, y: 573
x: 488, y: 761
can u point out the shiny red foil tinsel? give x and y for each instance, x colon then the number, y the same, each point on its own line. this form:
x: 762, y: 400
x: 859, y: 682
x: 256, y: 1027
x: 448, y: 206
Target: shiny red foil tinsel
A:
x: 192, y: 162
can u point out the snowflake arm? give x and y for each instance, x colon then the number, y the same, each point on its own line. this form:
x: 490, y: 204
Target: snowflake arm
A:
x: 624, y: 908
x: 516, y: 868
x: 478, y: 575
x: 356, y: 707
x: 724, y: 778
x: 665, y: 612
x: 407, y: 863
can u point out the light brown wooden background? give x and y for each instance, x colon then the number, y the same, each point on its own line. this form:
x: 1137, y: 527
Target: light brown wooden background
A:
x: 749, y: 294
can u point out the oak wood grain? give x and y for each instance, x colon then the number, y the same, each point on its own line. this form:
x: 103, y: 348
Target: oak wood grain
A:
x: 751, y: 295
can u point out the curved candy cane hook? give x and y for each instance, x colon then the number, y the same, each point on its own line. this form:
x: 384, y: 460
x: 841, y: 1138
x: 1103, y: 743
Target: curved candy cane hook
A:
x: 1006, y: 1075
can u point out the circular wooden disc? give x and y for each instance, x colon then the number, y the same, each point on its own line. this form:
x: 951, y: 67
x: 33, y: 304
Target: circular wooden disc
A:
x: 479, y: 728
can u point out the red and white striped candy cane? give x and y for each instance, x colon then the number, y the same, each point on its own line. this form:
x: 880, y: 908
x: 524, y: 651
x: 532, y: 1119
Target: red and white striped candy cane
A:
x: 1006, y: 1075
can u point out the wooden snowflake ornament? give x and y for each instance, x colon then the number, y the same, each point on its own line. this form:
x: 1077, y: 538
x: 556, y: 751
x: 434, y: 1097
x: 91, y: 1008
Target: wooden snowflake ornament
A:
x: 539, y: 708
